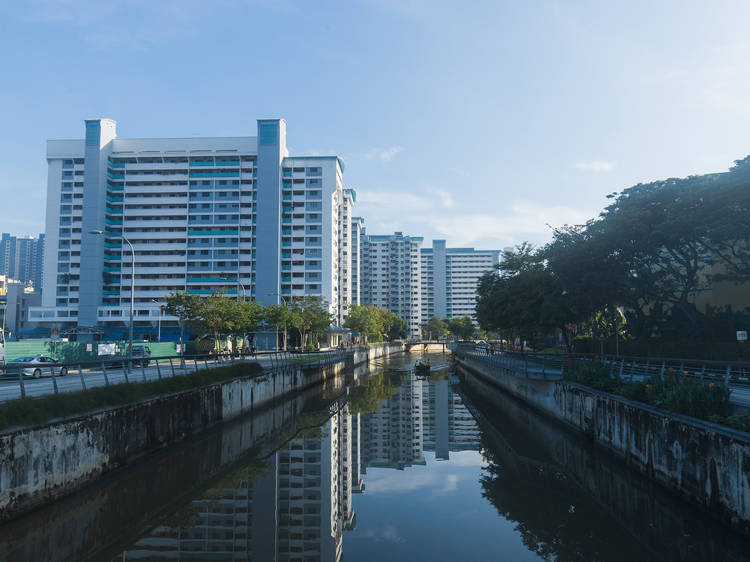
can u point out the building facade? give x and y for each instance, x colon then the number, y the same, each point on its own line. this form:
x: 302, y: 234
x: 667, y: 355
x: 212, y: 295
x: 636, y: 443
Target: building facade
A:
x: 450, y: 277
x: 358, y: 225
x: 390, y: 276
x: 236, y: 214
x: 22, y: 258
x: 16, y: 298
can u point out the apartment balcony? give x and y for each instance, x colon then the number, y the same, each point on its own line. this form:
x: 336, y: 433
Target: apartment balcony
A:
x: 138, y: 222
x: 142, y: 212
x: 141, y: 236
x: 213, y: 232
x: 210, y: 174
x: 134, y: 198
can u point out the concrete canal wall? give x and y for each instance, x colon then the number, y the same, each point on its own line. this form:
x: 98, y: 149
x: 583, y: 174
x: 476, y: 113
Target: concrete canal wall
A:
x: 533, y: 450
x: 707, y: 464
x: 41, y: 464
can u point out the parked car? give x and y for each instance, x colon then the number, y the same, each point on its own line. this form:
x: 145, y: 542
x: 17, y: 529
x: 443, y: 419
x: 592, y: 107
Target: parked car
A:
x: 36, y: 366
x: 141, y: 355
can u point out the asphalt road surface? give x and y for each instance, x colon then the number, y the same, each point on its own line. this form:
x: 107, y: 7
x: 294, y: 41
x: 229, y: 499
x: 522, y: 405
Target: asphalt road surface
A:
x: 10, y: 387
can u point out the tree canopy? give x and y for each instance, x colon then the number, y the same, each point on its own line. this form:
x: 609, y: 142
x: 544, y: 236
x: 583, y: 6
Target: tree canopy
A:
x: 374, y: 323
x: 645, y: 257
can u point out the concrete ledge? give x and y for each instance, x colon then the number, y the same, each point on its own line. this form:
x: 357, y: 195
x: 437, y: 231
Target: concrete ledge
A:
x: 705, y: 463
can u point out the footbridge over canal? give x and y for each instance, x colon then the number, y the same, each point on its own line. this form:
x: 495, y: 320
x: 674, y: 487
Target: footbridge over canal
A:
x: 427, y: 346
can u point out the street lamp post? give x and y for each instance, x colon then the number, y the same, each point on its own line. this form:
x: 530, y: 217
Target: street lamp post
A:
x: 283, y: 300
x: 5, y: 313
x: 158, y: 324
x: 132, y: 286
x: 225, y: 277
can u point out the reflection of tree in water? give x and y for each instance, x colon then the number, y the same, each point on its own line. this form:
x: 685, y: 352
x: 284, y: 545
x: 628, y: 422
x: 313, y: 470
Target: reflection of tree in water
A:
x: 555, y: 521
x: 365, y: 399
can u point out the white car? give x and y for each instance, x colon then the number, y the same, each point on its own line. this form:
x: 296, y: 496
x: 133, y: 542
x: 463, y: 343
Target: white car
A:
x: 36, y: 366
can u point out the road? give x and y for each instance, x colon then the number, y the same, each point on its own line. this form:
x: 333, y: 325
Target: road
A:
x: 10, y: 388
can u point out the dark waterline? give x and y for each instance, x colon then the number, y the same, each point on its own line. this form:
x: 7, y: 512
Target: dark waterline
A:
x: 378, y: 465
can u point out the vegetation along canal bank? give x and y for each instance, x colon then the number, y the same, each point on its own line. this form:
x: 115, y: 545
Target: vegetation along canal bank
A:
x: 42, y: 463
x: 706, y: 463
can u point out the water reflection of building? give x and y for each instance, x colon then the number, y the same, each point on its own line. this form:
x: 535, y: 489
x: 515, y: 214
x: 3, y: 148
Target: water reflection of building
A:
x: 301, y: 504
x: 392, y: 436
x: 229, y: 523
x: 447, y: 423
x: 424, y: 415
x: 298, y: 510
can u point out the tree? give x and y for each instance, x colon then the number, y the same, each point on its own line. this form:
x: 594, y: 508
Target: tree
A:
x: 217, y: 315
x: 309, y: 316
x: 185, y: 307
x: 249, y: 316
x: 280, y: 317
x: 366, y: 320
x: 435, y: 328
x: 461, y: 327
x: 393, y: 326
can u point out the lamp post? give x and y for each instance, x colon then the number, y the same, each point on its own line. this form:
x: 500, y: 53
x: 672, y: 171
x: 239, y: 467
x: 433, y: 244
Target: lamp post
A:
x: 226, y: 277
x: 158, y: 324
x: 132, y: 285
x: 5, y: 313
x: 283, y: 300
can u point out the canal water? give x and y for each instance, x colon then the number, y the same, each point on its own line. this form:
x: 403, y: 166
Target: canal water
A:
x: 380, y: 464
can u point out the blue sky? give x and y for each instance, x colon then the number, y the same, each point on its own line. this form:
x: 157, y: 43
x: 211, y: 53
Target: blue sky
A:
x: 478, y: 122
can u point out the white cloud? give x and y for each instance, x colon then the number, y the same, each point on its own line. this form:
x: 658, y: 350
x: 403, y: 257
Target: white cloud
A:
x: 438, y: 215
x: 596, y: 166
x: 446, y: 199
x: 450, y: 483
x: 383, y: 154
x: 387, y: 481
x: 388, y: 534
x: 508, y: 225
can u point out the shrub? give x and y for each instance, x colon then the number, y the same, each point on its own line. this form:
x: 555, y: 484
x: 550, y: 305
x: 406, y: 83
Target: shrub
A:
x: 681, y: 394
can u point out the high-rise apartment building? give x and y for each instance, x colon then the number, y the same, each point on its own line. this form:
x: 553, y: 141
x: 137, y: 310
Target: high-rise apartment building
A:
x: 358, y: 225
x: 202, y: 214
x: 22, y: 258
x: 450, y: 277
x: 346, y: 248
x: 390, y: 276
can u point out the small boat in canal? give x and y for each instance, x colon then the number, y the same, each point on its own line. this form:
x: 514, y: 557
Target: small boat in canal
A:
x: 421, y: 367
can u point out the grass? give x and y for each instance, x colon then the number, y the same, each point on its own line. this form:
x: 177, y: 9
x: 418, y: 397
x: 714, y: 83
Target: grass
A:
x: 681, y: 394
x: 39, y: 410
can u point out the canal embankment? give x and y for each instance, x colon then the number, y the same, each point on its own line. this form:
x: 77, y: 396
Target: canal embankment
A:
x: 705, y: 463
x: 585, y: 490
x: 42, y: 463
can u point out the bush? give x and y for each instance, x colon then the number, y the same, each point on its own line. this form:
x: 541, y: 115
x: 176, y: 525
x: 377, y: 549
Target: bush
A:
x: 684, y: 395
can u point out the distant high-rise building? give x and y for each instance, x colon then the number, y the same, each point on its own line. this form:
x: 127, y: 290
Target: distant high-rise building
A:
x: 22, y: 257
x: 450, y: 277
x: 357, y: 230
x: 346, y: 248
x: 389, y: 276
x: 203, y: 214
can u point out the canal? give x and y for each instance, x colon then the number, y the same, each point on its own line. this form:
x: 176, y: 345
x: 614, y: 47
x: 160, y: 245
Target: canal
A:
x: 380, y: 464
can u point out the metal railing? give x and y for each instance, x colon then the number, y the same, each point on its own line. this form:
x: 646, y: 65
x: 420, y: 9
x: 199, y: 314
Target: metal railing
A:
x: 517, y: 364
x: 627, y: 368
x: 19, y: 380
x: 639, y: 368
